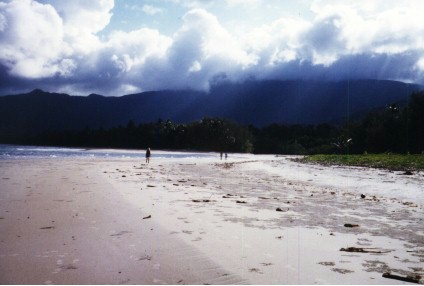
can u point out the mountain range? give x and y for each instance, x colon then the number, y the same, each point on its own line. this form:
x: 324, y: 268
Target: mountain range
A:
x: 252, y: 102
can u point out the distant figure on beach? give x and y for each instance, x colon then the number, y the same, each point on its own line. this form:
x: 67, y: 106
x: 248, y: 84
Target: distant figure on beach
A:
x: 221, y: 155
x: 226, y: 155
x: 148, y: 155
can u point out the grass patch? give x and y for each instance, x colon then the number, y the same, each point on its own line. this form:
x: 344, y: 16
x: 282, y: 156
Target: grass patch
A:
x: 396, y: 162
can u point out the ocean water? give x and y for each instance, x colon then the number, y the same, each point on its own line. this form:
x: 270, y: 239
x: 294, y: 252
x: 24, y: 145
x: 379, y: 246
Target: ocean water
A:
x: 21, y: 152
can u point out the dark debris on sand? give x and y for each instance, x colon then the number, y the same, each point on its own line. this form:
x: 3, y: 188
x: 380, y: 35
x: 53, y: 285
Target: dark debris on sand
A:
x: 364, y: 250
x: 411, y: 279
x: 202, y: 201
x: 351, y: 225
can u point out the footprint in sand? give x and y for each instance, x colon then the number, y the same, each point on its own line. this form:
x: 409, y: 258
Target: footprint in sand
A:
x: 327, y: 263
x: 145, y: 257
x: 120, y: 233
x: 266, y: 264
x: 68, y: 267
x: 255, y: 270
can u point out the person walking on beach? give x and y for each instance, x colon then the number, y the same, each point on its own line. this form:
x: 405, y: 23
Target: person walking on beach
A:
x: 148, y: 155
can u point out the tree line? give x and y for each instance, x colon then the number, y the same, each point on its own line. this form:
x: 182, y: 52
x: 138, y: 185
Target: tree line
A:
x: 208, y: 134
x: 392, y: 129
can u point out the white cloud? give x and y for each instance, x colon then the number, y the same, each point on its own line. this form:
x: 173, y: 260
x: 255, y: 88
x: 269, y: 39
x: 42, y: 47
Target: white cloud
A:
x: 278, y: 42
x: 82, y: 20
x: 375, y: 26
x: 39, y: 40
x: 137, y: 45
x: 342, y: 29
x: 200, y: 49
x: 376, y: 39
x: 213, y: 40
x: 195, y: 67
x: 420, y: 65
x: 90, y: 16
x: 31, y: 50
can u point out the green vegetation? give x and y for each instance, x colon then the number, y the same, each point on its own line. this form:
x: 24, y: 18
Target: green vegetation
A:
x: 394, y: 129
x: 386, y: 161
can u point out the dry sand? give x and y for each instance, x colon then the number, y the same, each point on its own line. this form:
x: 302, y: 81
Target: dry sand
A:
x: 206, y: 221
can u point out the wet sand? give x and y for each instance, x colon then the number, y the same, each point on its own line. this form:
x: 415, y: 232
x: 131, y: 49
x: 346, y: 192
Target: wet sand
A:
x: 207, y: 221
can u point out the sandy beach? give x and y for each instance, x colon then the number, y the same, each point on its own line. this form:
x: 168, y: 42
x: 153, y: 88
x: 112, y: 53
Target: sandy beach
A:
x: 246, y: 220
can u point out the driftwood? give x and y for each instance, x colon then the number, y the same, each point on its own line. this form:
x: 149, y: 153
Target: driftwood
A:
x: 411, y: 279
x: 202, y: 201
x: 351, y: 225
x: 241, y: 202
x: 227, y: 196
x: 364, y: 250
x: 47, y: 227
x: 146, y: 217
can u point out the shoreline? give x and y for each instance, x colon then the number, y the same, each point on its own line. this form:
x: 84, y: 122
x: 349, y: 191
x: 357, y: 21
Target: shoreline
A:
x: 211, y: 221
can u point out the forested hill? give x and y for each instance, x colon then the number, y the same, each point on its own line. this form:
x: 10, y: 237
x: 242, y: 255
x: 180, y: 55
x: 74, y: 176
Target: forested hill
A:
x: 254, y: 102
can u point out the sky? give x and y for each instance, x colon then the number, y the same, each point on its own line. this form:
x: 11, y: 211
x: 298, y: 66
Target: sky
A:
x: 127, y: 46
